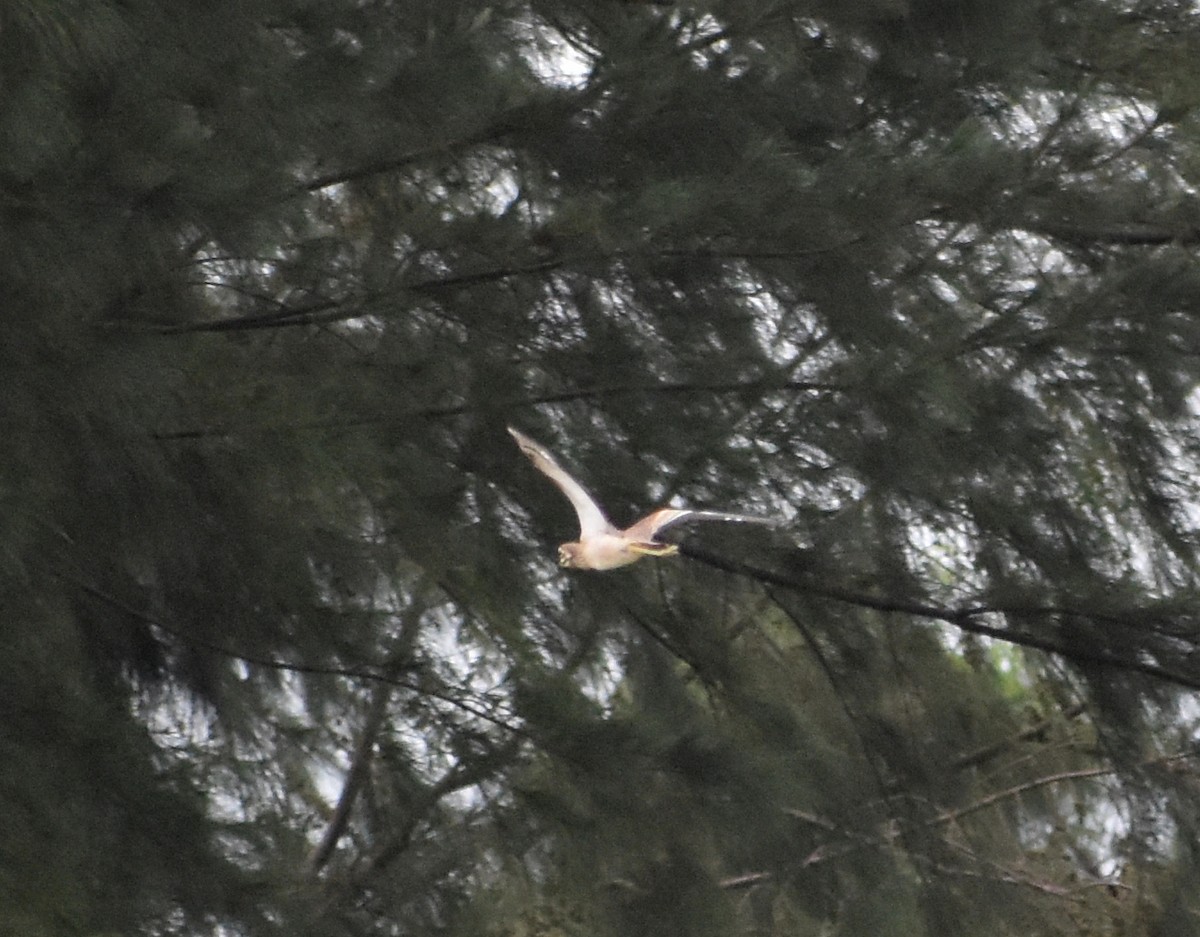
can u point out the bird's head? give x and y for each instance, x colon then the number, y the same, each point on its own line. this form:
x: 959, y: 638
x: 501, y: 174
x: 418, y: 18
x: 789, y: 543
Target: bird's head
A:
x: 568, y: 555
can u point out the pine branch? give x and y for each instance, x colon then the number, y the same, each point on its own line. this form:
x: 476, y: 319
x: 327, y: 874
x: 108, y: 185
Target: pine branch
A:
x: 835, y: 684
x: 599, y: 392
x: 856, y: 840
x: 965, y: 619
x: 390, y: 164
x: 364, y: 750
x: 460, y: 777
x: 950, y: 816
x: 516, y: 119
x: 987, y: 752
x: 1127, y: 234
x: 345, y: 309
x: 366, y: 674
x: 359, y: 763
x: 329, y: 311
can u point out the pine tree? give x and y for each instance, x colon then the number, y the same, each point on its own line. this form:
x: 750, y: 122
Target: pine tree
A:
x: 286, y: 650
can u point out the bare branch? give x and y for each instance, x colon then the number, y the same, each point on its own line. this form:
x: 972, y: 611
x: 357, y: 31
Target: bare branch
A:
x: 949, y: 816
x: 355, y: 777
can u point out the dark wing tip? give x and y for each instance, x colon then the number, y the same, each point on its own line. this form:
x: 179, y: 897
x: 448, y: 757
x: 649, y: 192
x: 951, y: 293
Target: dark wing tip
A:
x: 534, y: 451
x: 755, y: 519
x: 523, y: 441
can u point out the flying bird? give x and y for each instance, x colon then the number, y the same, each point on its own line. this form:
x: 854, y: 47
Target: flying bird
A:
x: 601, y: 545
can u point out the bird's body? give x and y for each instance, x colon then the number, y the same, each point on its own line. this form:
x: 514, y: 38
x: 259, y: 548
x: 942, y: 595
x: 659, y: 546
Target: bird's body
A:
x: 601, y: 545
x: 606, y: 551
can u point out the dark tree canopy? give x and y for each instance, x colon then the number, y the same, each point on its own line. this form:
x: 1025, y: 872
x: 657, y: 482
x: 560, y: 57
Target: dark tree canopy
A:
x: 285, y: 648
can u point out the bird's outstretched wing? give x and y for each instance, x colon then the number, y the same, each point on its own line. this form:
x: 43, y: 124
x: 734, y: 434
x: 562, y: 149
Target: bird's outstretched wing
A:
x: 592, y: 521
x: 654, y: 524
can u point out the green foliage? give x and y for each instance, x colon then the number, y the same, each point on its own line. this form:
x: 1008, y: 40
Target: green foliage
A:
x: 284, y: 649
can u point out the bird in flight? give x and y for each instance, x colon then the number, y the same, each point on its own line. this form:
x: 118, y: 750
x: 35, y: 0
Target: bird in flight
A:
x: 601, y: 545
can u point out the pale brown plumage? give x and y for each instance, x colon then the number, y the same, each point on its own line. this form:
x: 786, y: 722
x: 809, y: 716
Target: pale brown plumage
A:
x: 601, y: 545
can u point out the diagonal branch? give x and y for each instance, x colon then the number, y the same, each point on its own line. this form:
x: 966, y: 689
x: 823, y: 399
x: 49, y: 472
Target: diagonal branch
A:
x: 364, y: 749
x: 966, y: 619
x: 460, y: 777
x: 1079, y: 774
x: 355, y: 777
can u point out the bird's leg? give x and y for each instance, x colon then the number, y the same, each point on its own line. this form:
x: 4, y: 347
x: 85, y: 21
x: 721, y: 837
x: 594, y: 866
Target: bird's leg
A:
x: 653, y: 548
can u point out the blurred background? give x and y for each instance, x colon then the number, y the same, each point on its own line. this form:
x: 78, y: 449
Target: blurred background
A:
x: 286, y: 650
